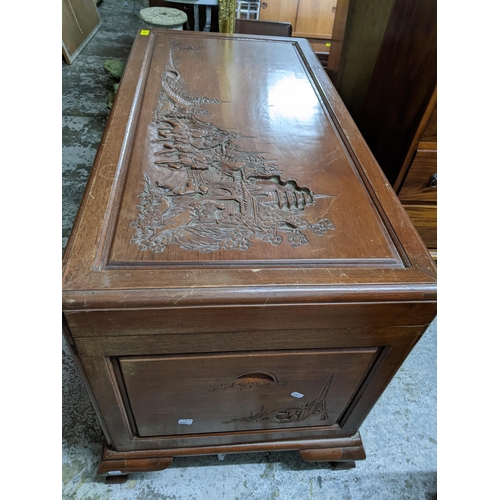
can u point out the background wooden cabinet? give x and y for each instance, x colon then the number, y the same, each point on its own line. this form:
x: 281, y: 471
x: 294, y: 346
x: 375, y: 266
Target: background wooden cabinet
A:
x: 279, y: 10
x: 416, y: 184
x: 384, y: 66
x: 311, y: 19
x: 80, y: 22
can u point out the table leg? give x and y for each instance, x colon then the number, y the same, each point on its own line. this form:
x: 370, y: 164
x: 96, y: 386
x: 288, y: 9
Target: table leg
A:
x: 208, y: 21
x: 196, y: 17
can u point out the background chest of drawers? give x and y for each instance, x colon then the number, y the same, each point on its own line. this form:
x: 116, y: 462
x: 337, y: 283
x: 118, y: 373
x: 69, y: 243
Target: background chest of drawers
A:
x: 416, y: 184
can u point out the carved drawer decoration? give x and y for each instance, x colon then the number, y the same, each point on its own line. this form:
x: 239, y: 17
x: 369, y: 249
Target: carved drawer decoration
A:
x: 172, y: 395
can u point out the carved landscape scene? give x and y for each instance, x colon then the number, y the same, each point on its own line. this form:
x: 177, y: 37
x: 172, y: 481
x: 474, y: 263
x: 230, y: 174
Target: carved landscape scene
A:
x: 213, y: 195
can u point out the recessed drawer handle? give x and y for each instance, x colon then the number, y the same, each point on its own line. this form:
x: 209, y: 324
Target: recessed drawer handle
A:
x: 433, y: 181
x: 255, y: 378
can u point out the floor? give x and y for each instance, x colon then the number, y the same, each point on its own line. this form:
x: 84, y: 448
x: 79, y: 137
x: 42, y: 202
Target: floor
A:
x: 399, y: 435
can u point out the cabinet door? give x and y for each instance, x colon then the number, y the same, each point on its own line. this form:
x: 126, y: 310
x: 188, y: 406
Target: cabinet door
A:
x: 315, y: 18
x: 284, y: 11
x: 80, y: 21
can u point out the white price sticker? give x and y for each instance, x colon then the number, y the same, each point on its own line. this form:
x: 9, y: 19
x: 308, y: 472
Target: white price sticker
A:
x: 297, y: 395
x: 185, y: 421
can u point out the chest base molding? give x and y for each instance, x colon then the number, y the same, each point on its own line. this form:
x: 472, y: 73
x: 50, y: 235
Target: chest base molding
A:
x: 340, y: 452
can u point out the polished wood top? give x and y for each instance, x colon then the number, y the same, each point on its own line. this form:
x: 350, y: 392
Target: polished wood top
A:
x: 229, y: 155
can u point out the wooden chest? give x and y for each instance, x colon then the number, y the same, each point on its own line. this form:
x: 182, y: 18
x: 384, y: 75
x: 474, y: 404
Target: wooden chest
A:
x: 240, y: 276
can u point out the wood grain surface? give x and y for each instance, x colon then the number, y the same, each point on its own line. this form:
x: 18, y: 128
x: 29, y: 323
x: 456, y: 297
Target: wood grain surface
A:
x: 333, y: 163
x: 202, y: 394
x: 424, y: 217
x: 241, y: 276
x: 402, y: 83
x: 419, y: 185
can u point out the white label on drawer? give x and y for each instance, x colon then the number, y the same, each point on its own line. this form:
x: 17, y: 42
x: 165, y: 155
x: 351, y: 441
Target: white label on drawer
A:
x: 114, y: 472
x: 297, y: 395
x: 185, y: 421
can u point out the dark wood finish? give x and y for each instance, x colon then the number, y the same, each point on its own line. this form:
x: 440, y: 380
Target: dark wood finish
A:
x: 248, y: 318
x: 288, y: 445
x: 84, y: 377
x: 430, y: 130
x: 402, y: 83
x: 268, y: 28
x: 385, y: 73
x: 337, y: 39
x: 281, y: 382
x: 117, y: 469
x: 117, y: 465
x: 427, y: 125
x: 241, y: 276
x: 113, y: 467
x: 420, y: 184
x: 141, y: 345
x: 417, y: 181
x: 424, y: 217
x: 341, y: 458
x: 341, y: 454
x: 356, y: 48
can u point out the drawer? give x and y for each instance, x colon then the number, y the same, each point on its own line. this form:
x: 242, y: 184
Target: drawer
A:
x: 420, y: 186
x: 320, y: 46
x: 424, y: 218
x: 430, y: 131
x: 179, y: 395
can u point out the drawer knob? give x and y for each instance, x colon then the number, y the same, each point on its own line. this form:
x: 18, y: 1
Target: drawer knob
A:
x: 433, y: 181
x: 263, y: 5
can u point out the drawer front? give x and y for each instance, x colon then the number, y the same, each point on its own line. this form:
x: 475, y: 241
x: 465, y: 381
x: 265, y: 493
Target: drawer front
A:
x: 430, y: 132
x: 424, y: 218
x: 291, y: 318
x: 179, y: 395
x: 420, y: 185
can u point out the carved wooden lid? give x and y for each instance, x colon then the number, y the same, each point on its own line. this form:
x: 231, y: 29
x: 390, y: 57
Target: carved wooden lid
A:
x: 229, y: 158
